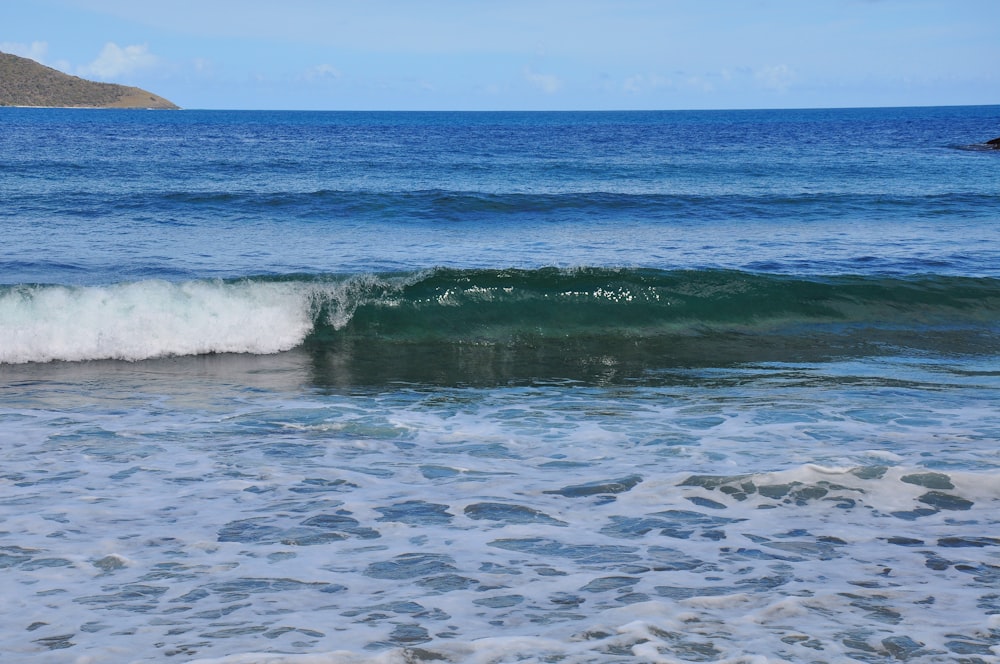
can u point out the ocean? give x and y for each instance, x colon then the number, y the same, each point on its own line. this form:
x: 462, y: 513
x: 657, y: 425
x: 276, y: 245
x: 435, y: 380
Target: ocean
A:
x: 304, y: 387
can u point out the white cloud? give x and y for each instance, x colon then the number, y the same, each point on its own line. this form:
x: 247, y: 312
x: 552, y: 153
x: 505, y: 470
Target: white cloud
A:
x: 324, y: 71
x: 779, y: 77
x: 547, y: 83
x: 698, y: 84
x: 35, y: 50
x: 115, y: 61
x: 644, y: 83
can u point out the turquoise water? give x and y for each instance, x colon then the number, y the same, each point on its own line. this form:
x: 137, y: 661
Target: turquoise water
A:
x: 498, y: 387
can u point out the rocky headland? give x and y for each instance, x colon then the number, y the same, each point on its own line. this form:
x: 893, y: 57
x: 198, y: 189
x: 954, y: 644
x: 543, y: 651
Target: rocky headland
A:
x: 24, y: 82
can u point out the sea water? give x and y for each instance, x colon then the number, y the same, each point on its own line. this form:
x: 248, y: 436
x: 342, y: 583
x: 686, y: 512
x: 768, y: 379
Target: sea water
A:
x: 500, y: 387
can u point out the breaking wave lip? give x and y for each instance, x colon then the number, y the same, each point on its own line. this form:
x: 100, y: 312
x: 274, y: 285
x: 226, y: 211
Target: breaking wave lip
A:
x: 156, y: 318
x: 594, y: 308
x: 141, y: 320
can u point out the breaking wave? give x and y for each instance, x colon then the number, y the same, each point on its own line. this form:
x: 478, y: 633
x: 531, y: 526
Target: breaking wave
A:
x: 697, y: 316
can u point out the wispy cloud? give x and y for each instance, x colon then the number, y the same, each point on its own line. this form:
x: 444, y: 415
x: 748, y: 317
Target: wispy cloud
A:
x: 639, y: 83
x: 36, y: 50
x: 320, y: 72
x: 115, y: 61
x: 778, y: 78
x: 547, y: 83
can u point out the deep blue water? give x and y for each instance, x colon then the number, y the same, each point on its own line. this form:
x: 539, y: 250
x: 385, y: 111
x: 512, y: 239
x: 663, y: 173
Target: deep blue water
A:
x: 584, y: 387
x: 197, y: 194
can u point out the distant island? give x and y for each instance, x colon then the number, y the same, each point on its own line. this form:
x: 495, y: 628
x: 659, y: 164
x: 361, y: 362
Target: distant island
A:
x: 24, y: 82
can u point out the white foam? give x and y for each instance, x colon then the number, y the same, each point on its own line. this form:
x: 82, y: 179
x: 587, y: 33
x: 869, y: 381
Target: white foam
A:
x: 489, y: 650
x: 335, y: 657
x: 141, y: 320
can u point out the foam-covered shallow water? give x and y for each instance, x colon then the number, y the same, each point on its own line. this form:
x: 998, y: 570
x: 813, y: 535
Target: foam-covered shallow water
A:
x: 196, y: 509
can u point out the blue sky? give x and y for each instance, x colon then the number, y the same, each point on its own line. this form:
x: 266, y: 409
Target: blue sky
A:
x: 522, y: 54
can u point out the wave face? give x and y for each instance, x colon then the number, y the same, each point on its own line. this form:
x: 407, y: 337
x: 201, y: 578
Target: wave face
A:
x: 556, y: 317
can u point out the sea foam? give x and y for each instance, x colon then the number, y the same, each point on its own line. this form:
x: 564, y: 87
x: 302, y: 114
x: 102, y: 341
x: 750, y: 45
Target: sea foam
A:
x: 141, y: 320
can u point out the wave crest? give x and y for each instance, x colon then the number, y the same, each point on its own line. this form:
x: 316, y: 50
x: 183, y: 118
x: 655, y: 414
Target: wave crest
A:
x: 635, y: 312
